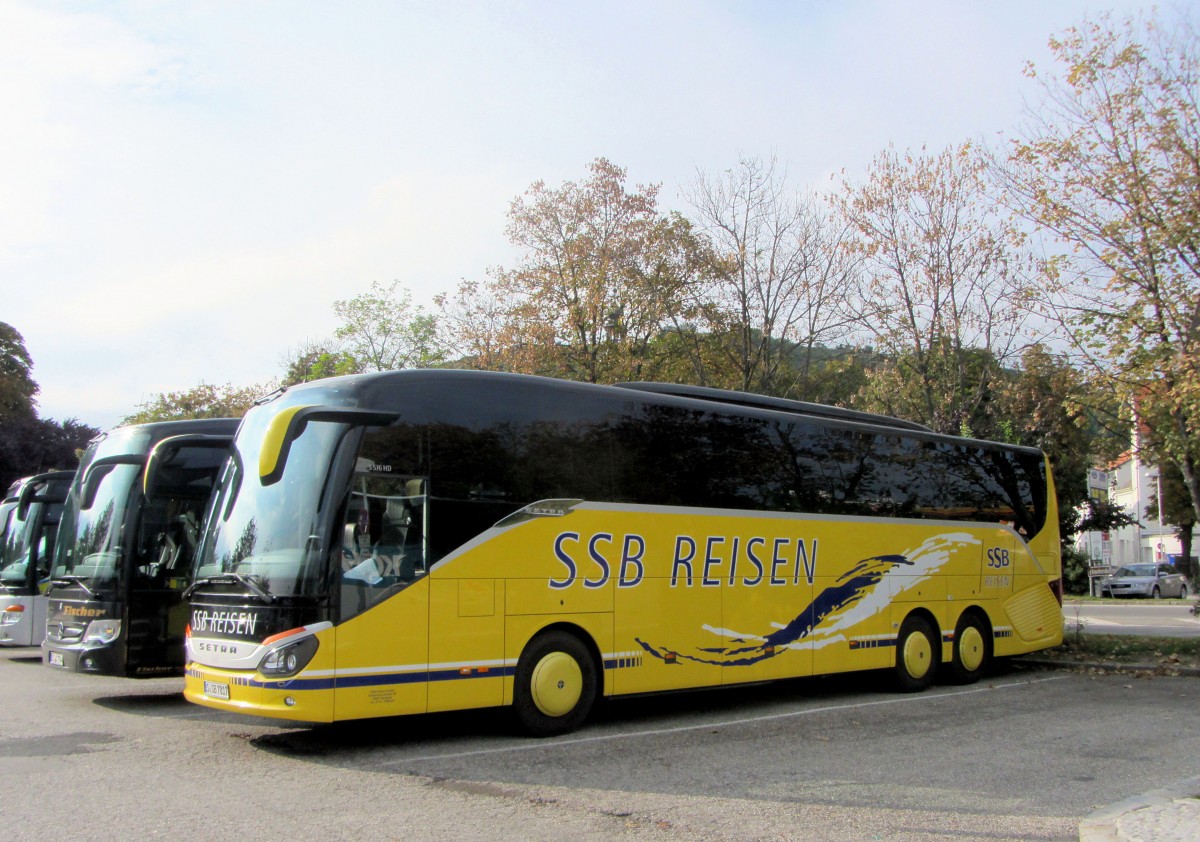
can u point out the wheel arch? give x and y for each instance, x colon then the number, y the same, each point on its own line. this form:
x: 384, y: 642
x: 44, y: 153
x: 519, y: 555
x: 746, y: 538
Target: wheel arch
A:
x: 980, y: 613
x: 925, y: 614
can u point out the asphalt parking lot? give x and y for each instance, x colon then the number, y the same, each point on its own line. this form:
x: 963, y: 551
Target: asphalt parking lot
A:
x: 1025, y: 754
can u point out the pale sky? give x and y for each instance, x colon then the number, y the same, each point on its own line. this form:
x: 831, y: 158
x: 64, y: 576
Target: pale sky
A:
x: 186, y: 188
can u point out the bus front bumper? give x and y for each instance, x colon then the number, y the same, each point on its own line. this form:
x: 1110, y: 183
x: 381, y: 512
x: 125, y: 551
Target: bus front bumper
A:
x: 240, y: 691
x: 99, y: 659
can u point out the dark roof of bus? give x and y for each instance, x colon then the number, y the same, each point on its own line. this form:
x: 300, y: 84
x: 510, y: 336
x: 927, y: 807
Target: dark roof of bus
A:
x: 160, y: 430
x: 818, y: 410
x: 50, y: 478
x: 669, y: 394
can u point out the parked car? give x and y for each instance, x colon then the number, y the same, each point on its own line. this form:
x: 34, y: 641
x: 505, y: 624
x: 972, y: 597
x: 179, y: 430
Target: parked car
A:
x: 1148, y: 579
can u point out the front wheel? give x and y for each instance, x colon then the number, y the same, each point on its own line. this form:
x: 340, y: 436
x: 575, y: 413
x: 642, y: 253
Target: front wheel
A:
x: 1156, y: 593
x: 1183, y: 591
x: 555, y: 684
x: 972, y: 650
x: 918, y: 651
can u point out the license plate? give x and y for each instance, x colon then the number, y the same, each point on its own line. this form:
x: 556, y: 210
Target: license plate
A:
x: 56, y: 659
x: 216, y: 690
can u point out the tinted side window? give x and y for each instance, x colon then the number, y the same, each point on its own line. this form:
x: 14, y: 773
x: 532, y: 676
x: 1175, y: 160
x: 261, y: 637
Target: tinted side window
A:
x: 507, y: 450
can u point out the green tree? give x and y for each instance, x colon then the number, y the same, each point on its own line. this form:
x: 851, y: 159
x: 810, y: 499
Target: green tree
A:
x: 383, y: 330
x: 29, y: 444
x: 945, y: 285
x: 1048, y: 403
x: 316, y: 361
x: 1171, y: 505
x: 204, y: 400
x: 1108, y: 164
x: 32, y: 445
x: 949, y: 389
x: 1094, y: 515
x: 17, y: 387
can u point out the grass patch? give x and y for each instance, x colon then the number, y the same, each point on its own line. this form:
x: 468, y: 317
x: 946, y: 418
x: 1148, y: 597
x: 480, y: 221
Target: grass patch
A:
x: 1127, y: 649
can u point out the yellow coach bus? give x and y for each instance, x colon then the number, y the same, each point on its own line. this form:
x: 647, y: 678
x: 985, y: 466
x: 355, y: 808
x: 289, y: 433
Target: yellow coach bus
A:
x: 417, y: 541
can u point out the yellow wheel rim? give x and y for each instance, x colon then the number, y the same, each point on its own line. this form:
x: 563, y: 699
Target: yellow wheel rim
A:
x: 557, y: 684
x: 971, y: 649
x: 918, y: 655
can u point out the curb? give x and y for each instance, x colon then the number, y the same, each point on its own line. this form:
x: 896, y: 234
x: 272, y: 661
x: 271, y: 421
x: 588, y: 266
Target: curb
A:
x: 1109, y: 666
x: 1173, y: 811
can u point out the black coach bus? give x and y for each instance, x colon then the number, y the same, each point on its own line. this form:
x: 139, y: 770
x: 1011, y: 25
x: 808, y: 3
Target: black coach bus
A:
x: 125, y: 551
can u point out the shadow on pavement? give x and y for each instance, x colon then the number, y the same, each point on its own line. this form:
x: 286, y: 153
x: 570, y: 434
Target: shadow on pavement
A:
x: 146, y: 704
x: 26, y: 659
x: 356, y: 742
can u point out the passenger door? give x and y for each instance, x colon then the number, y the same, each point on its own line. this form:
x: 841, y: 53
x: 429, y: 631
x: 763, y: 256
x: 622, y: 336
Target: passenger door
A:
x: 383, y: 601
x: 1170, y: 581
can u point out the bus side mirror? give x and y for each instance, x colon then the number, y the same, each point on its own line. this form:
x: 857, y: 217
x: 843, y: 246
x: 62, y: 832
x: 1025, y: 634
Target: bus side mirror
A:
x: 42, y: 489
x: 97, y: 471
x: 290, y: 423
x: 25, y: 498
x: 169, y: 448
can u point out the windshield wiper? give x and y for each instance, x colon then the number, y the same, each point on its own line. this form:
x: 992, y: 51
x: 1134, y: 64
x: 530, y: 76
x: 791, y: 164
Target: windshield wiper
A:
x: 64, y: 581
x: 250, y: 583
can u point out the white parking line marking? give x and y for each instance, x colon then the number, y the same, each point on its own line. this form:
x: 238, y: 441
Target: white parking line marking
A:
x: 725, y: 723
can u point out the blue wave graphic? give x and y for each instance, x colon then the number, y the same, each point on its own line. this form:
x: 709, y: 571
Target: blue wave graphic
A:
x: 849, y: 589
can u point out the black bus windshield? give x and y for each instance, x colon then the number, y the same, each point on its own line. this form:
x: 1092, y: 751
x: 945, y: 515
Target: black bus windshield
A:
x: 111, y: 531
x: 90, y: 545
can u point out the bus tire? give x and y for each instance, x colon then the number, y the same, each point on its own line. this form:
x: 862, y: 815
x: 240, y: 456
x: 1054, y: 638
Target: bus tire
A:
x: 918, y: 650
x: 555, y: 684
x: 972, y: 650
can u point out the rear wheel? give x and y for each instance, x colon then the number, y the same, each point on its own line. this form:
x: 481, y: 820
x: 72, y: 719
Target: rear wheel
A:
x: 918, y: 651
x: 555, y: 684
x: 1183, y: 592
x: 972, y: 650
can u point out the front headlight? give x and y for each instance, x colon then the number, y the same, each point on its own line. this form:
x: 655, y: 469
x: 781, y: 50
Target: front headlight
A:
x: 289, y: 659
x: 12, y: 615
x: 102, y: 631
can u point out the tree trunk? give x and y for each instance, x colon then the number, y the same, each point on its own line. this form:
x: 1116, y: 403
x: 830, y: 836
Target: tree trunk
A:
x: 1187, y: 566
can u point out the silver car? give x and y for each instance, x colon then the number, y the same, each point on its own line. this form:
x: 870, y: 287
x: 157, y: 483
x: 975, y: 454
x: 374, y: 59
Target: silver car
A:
x: 1148, y: 579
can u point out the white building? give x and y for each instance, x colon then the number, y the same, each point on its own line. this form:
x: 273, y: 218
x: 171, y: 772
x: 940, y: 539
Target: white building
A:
x: 1132, y: 484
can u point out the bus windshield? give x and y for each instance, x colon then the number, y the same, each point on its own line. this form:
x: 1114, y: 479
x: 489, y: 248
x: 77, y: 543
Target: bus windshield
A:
x: 270, y: 533
x: 6, y: 514
x: 13, y: 554
x: 22, y: 533
x: 90, y: 544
